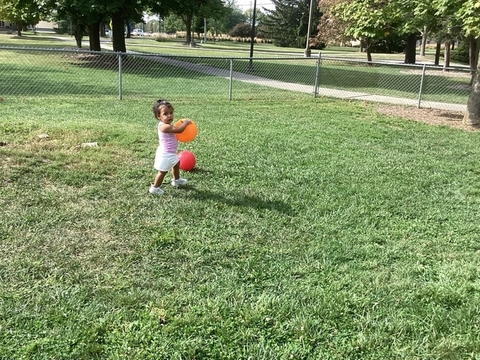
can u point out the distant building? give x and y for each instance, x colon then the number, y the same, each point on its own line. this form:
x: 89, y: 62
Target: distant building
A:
x: 42, y: 26
x: 5, y: 26
x: 46, y: 26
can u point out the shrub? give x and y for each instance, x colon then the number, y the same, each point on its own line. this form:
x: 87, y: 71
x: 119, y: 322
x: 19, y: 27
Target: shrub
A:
x: 159, y: 37
x: 461, y: 53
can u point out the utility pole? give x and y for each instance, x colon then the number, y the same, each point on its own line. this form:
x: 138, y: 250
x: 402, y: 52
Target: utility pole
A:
x: 250, y: 64
x: 204, y: 30
x: 308, y: 51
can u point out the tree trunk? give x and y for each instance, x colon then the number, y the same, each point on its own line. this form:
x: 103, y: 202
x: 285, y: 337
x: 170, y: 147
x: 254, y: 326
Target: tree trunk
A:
x: 365, y: 44
x: 473, y: 46
x: 94, y: 36
x: 118, y: 28
x: 78, y: 31
x: 411, y: 49
x: 472, y: 115
x: 19, y: 28
x: 437, y: 53
x: 424, y: 41
x: 369, y: 55
x: 188, y: 25
x: 129, y: 31
x: 446, y: 63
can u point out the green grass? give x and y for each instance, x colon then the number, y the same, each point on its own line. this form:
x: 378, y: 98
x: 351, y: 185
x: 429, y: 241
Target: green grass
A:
x: 308, y: 230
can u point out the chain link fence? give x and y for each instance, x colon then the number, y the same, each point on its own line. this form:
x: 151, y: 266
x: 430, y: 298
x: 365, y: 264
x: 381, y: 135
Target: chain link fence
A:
x: 27, y: 72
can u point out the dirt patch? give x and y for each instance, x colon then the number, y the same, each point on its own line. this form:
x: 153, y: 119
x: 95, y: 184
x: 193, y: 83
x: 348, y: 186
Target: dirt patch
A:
x: 453, y: 119
x: 456, y: 74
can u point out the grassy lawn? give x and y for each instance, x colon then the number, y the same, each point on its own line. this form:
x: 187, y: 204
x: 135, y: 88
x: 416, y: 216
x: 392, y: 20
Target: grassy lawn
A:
x: 308, y: 230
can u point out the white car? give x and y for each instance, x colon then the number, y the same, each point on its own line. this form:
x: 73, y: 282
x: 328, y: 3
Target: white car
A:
x: 138, y: 32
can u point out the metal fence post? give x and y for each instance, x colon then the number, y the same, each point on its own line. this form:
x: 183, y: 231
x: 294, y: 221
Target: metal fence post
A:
x: 119, y: 76
x: 230, y: 85
x: 317, y: 73
x: 421, y: 87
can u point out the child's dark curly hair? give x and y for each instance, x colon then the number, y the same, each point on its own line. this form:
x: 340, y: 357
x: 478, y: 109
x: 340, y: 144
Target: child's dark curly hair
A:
x: 158, y: 105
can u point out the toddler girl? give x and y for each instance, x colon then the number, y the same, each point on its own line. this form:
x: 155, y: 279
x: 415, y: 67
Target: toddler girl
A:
x: 166, y: 156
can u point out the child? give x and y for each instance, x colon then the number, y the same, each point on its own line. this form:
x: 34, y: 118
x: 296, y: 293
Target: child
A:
x: 166, y: 156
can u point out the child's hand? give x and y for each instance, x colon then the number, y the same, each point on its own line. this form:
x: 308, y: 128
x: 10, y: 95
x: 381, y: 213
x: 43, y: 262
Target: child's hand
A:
x: 187, y: 121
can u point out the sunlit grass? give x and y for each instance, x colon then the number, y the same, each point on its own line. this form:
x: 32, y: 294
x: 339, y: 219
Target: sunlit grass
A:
x: 313, y: 232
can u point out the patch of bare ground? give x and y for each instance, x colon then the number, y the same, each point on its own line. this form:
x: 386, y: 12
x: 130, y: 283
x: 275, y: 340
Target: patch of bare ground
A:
x: 453, y: 119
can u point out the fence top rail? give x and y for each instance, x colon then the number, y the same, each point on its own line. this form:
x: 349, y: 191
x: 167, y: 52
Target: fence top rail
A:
x: 272, y: 58
x: 245, y: 58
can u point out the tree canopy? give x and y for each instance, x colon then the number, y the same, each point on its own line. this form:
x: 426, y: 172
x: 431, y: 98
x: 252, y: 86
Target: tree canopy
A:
x: 287, y: 24
x: 23, y: 12
x: 187, y: 10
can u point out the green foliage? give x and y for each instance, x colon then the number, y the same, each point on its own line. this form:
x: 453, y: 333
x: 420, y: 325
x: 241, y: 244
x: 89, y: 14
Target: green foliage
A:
x: 22, y: 13
x: 241, y: 30
x: 63, y: 27
x: 234, y: 16
x: 393, y: 43
x: 364, y: 18
x: 469, y: 14
x: 287, y: 24
x: 173, y: 23
x: 188, y: 10
x: 461, y: 52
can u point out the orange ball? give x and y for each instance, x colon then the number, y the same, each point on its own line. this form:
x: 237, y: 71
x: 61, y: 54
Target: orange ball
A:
x: 189, y: 133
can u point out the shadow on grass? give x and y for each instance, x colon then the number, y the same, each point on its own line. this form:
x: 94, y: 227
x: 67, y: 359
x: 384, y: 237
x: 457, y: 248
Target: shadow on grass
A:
x: 236, y: 199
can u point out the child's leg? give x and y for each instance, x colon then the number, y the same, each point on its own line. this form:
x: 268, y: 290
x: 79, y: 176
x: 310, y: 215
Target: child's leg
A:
x: 159, y: 178
x: 177, y: 180
x: 176, y: 171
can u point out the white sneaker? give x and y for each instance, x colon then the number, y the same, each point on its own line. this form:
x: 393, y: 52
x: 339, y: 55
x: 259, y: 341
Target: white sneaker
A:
x: 155, y: 190
x: 179, y: 181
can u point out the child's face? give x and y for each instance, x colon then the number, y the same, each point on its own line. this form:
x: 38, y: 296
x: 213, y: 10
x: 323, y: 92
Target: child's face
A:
x: 166, y: 114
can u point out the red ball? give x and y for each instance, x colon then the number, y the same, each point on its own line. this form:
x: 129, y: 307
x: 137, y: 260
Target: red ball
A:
x: 187, y: 160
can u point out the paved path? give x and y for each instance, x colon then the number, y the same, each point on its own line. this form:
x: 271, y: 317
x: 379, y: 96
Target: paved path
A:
x: 341, y: 94
x: 327, y: 92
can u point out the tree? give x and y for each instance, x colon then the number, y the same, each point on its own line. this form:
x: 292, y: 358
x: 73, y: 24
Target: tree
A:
x: 173, y: 23
x: 188, y: 9
x: 367, y: 20
x: 22, y: 12
x: 91, y: 14
x: 232, y: 16
x: 429, y: 24
x: 472, y: 114
x: 83, y: 15
x: 287, y: 24
x: 469, y: 14
x: 123, y: 12
x: 331, y: 29
x: 380, y: 22
x: 408, y: 26
x: 242, y: 30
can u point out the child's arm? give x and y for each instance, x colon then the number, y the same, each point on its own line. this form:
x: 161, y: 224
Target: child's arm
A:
x: 168, y: 128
